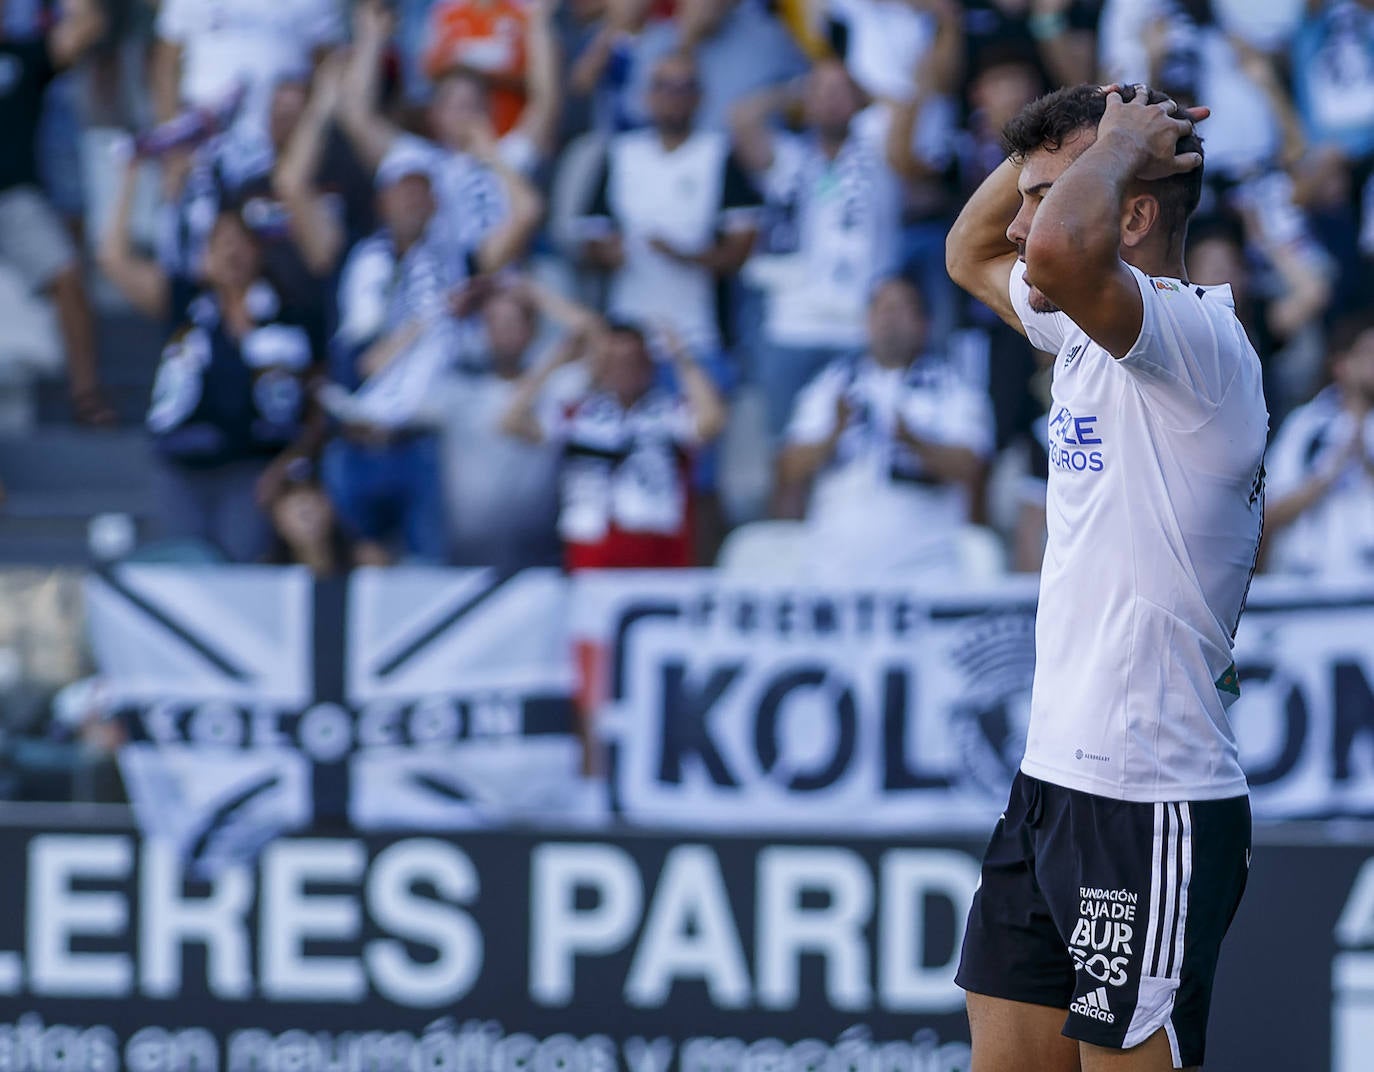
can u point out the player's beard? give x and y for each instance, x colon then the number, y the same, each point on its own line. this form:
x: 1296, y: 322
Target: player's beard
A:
x: 1040, y: 303
x: 1035, y: 298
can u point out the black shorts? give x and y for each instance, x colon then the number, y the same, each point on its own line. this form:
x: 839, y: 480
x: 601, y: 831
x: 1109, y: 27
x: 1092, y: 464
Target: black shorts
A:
x: 1109, y: 909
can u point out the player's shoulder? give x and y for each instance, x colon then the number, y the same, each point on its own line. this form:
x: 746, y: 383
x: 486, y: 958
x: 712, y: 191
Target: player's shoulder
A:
x: 1184, y: 299
x: 1196, y: 317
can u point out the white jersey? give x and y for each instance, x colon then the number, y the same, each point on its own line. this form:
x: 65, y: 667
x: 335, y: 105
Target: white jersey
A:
x: 875, y: 508
x: 1155, y: 505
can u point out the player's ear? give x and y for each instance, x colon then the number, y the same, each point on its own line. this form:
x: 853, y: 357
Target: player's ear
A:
x: 1140, y: 215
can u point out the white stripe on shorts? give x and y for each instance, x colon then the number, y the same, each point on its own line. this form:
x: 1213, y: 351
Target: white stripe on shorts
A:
x: 1156, y: 855
x: 1185, y: 840
x: 1171, y: 869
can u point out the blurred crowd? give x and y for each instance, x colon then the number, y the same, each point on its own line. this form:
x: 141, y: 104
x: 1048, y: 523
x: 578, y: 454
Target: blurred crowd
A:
x: 650, y: 283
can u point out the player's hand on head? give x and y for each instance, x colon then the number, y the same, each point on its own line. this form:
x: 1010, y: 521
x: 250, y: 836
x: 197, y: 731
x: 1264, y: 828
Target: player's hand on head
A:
x: 1151, y: 132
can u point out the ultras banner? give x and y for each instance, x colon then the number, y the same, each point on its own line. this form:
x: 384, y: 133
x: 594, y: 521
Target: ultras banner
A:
x: 886, y: 708
x: 260, y: 701
x: 520, y: 953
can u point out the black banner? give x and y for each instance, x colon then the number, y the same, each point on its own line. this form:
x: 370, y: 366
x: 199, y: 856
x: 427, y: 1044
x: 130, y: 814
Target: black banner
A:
x: 502, y: 952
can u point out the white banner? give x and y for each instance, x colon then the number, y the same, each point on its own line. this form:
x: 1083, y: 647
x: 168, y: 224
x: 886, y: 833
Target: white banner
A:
x: 259, y: 701
x: 730, y: 704
x: 1305, y: 717
x: 739, y: 705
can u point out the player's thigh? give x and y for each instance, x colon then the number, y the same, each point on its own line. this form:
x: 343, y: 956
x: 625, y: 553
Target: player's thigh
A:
x: 1152, y: 1055
x: 1014, y: 1036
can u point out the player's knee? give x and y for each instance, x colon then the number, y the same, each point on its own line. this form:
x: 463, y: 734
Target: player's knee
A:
x: 1014, y: 1036
x: 1155, y: 1054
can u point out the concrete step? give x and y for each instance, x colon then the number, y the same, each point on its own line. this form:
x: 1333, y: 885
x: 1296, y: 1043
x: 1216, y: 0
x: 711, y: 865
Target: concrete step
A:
x: 129, y: 346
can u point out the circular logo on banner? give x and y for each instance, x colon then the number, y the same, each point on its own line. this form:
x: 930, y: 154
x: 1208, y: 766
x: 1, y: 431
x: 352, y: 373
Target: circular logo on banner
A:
x: 996, y: 653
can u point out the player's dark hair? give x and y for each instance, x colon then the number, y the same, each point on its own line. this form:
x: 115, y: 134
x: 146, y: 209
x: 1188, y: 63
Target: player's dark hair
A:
x: 1050, y: 121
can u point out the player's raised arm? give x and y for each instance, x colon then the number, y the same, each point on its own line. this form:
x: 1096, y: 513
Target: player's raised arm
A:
x: 978, y: 254
x: 1115, y: 199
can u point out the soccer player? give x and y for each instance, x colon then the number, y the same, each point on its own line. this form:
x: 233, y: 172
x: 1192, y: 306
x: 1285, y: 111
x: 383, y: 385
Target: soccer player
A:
x: 1112, y: 876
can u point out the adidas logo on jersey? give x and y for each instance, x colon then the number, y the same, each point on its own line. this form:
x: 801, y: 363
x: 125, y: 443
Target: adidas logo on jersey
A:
x: 1073, y: 353
x: 1094, y: 1006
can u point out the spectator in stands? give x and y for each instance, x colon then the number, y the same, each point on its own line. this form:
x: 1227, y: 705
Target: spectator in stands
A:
x: 229, y: 411
x: 1199, y: 51
x: 893, y: 442
x: 395, y: 340
x: 326, y: 208
x: 1063, y: 33
x: 1333, y: 69
x: 210, y: 50
x: 579, y: 25
x: 835, y: 231
x: 739, y: 48
x: 502, y: 492
x: 33, y: 241
x: 672, y: 214
x: 626, y: 445
x: 1320, y: 513
x: 340, y: 179
x: 883, y: 41
x: 1332, y: 62
x: 306, y: 527
x: 914, y: 116
x: 1007, y: 78
x: 487, y: 210
x: 237, y: 167
x: 486, y: 37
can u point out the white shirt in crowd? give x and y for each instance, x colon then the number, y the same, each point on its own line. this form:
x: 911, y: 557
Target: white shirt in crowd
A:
x: 841, y: 221
x: 621, y: 466
x: 501, y: 491
x: 887, y: 39
x: 1335, y: 536
x: 874, y: 509
x: 1243, y: 133
x: 471, y: 200
x: 683, y: 196
x: 250, y: 43
x: 1154, y: 512
x: 378, y: 295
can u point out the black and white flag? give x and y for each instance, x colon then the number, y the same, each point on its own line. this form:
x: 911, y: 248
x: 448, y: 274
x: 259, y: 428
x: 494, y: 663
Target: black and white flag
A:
x: 260, y: 701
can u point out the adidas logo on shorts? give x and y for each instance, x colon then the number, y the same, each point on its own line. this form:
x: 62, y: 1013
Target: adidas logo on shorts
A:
x: 1094, y: 1006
